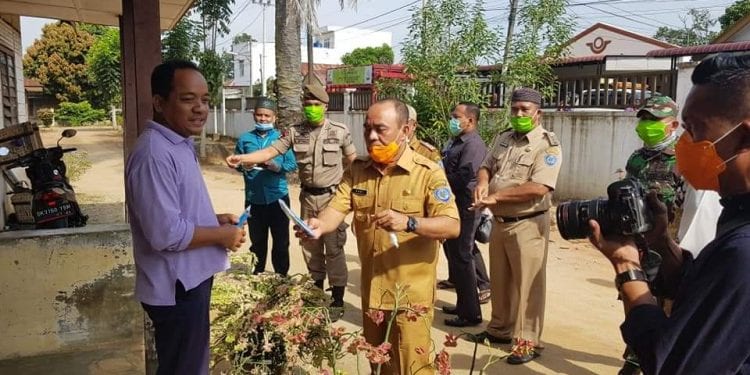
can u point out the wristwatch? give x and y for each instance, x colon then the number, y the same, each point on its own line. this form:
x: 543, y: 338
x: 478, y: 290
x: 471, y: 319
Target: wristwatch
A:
x: 411, y: 224
x: 632, y: 274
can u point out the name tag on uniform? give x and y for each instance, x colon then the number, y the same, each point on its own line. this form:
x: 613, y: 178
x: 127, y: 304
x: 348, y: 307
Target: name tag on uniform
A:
x: 333, y: 134
x: 329, y: 141
x: 303, y: 139
x: 359, y: 192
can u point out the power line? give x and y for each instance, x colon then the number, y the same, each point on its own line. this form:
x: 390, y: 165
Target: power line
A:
x: 642, y: 16
x: 379, y: 15
x: 241, y: 31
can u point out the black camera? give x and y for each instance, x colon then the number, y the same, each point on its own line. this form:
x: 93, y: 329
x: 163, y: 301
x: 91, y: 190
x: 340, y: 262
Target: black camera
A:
x: 625, y: 213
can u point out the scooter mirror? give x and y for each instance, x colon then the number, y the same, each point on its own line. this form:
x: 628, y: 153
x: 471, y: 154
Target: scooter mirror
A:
x: 4, y: 151
x: 68, y: 133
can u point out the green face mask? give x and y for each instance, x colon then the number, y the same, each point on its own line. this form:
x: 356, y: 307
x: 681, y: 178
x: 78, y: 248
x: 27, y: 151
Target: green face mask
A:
x: 314, y: 114
x: 522, y: 124
x: 651, y: 131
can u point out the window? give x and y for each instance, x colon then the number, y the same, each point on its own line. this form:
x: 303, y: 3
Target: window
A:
x: 327, y: 43
x: 242, y: 67
x: 8, y: 88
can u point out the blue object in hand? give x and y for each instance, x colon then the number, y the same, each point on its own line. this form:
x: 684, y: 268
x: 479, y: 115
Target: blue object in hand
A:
x: 243, y: 218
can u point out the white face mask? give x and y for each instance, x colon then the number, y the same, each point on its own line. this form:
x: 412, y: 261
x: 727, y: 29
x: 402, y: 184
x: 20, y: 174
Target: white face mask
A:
x: 263, y: 127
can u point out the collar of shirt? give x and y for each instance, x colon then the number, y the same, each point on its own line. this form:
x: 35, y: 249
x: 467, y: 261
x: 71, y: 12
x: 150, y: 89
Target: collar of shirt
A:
x: 168, y: 133
x: 466, y: 137
x: 532, y: 136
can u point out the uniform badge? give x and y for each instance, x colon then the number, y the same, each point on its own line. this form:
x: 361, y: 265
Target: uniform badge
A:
x: 550, y: 160
x: 443, y: 194
x: 359, y: 191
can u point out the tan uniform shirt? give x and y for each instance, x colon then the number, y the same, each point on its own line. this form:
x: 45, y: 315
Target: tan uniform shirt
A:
x: 415, y: 187
x: 425, y: 149
x: 519, y: 158
x: 319, y: 151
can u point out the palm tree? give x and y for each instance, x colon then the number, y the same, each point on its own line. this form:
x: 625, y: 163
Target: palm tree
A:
x: 290, y: 16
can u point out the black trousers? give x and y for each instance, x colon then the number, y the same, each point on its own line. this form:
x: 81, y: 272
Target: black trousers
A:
x: 460, y: 253
x: 182, y: 331
x: 480, y: 269
x: 265, y: 217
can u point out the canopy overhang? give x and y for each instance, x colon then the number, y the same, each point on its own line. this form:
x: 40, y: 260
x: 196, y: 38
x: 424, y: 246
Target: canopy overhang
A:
x: 101, y: 12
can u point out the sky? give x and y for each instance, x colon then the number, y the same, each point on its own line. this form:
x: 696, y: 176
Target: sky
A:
x: 641, y: 16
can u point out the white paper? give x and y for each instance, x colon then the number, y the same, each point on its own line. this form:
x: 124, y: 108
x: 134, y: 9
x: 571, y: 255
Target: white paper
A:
x: 296, y: 219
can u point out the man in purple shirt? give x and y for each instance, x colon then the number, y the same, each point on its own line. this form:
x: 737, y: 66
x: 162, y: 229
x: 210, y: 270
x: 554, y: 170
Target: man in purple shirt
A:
x: 179, y: 242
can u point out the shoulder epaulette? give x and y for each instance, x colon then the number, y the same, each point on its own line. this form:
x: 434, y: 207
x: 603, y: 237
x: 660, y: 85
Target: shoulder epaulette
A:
x: 552, y: 139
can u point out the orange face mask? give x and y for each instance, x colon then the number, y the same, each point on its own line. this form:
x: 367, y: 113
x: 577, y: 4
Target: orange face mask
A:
x: 384, y: 154
x: 699, y: 163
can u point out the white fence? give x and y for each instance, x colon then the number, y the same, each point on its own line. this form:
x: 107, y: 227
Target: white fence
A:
x: 595, y: 145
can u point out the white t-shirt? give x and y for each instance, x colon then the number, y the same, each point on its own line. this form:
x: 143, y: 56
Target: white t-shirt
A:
x: 700, y: 214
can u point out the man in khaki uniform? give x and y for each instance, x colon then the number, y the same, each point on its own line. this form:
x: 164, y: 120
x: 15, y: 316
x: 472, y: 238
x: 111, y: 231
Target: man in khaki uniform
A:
x: 421, y: 147
x: 320, y: 147
x: 516, y: 181
x: 396, y: 192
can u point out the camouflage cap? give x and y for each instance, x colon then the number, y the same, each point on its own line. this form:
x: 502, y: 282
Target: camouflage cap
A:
x: 315, y: 91
x: 267, y: 103
x: 659, y: 107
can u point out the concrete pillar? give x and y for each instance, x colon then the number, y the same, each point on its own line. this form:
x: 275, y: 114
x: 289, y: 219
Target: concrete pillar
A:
x: 140, y: 41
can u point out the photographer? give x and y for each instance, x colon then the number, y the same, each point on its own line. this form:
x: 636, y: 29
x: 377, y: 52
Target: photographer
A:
x: 707, y: 332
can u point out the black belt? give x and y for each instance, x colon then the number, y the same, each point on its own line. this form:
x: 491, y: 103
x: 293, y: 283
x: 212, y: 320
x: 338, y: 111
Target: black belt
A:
x: 504, y: 219
x: 318, y: 191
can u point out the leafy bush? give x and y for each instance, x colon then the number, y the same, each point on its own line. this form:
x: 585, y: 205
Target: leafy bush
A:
x: 46, y: 116
x: 77, y: 114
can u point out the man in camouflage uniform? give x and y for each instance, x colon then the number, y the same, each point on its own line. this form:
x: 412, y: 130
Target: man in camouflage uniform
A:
x: 421, y: 147
x: 653, y: 164
x: 320, y: 146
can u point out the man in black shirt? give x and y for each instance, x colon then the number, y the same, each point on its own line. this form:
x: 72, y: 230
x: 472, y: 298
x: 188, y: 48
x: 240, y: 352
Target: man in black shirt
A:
x: 461, y: 160
x: 707, y: 331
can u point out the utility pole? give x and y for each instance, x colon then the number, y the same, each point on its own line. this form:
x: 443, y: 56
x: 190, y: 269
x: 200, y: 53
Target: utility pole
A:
x: 264, y: 4
x: 509, y: 36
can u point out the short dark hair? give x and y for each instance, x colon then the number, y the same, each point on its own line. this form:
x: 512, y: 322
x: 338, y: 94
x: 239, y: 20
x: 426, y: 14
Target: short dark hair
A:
x: 729, y: 73
x: 162, y: 76
x: 402, y: 111
x: 471, y: 109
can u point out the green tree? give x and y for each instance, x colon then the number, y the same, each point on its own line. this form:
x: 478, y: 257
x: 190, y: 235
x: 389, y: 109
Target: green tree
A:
x: 183, y: 41
x: 77, y: 114
x: 243, y: 38
x: 213, y: 67
x: 369, y: 56
x: 448, y: 40
x: 544, y: 29
x: 734, y: 13
x: 103, y: 62
x: 215, y: 16
x: 58, y: 61
x: 696, y: 30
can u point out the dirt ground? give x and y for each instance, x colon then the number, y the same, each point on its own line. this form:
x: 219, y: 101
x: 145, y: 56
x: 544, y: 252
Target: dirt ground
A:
x: 581, y: 332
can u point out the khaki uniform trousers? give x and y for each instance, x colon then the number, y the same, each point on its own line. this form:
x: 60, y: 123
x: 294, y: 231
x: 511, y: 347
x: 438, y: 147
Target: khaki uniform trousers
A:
x: 405, y: 337
x: 324, y: 256
x: 518, y: 262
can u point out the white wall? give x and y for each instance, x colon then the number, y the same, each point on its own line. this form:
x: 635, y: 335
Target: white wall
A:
x: 684, y: 83
x: 594, y: 146
x: 619, y: 44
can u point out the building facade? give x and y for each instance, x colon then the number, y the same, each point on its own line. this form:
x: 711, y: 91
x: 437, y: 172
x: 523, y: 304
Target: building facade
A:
x: 332, y: 43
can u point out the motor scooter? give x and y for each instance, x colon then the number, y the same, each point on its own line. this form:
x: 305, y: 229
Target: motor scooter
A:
x: 54, y: 203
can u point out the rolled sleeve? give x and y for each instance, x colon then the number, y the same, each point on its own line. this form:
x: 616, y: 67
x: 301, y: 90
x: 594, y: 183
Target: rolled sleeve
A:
x: 342, y: 201
x: 547, y: 167
x: 347, y: 146
x: 283, y: 144
x: 155, y: 203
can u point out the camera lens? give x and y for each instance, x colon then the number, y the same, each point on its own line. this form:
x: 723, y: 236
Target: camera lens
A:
x: 573, y: 217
